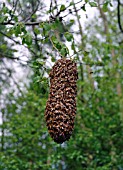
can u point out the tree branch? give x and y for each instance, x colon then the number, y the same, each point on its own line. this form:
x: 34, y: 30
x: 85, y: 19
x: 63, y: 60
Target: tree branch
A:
x: 118, y: 16
x: 25, y: 23
x: 17, y: 42
x: 103, y: 16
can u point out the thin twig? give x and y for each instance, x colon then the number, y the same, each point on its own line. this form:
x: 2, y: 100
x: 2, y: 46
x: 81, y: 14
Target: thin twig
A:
x: 55, y: 46
x: 25, y: 23
x: 75, y: 53
x: 35, y: 10
x: 17, y: 42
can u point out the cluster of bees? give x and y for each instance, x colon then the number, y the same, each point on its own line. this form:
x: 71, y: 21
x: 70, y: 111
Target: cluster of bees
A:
x: 61, y: 105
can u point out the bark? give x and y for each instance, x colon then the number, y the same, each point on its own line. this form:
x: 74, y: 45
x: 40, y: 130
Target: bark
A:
x: 103, y: 16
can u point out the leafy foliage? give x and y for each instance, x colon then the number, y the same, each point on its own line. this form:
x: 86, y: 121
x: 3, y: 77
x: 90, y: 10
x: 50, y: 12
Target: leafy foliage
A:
x: 96, y: 142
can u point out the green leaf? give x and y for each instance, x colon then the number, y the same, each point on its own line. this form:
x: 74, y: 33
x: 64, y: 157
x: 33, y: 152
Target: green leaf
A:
x: 14, y: 50
x: 56, y: 43
x: 54, y: 39
x: 37, y: 79
x: 111, y: 4
x: 93, y: 4
x: 62, y: 8
x: 34, y: 16
x: 105, y: 7
x: 53, y: 59
x: 23, y: 29
x: 5, y: 10
x: 17, y: 30
x: 99, y: 63
x: 3, y: 47
x: 34, y: 64
x: 68, y: 36
x: 64, y: 51
x: 3, y: 18
x: 47, y: 27
x: 86, y: 53
x: 58, y: 46
x: 15, y: 18
x: 36, y: 30
x: 72, y: 21
x: 28, y: 39
x: 83, y: 8
x: 23, y: 40
x: 44, y: 79
x: 41, y: 25
x: 39, y: 60
x: 73, y: 46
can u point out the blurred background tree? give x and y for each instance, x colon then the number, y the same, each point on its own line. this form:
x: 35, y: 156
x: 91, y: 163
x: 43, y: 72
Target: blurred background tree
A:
x: 33, y: 35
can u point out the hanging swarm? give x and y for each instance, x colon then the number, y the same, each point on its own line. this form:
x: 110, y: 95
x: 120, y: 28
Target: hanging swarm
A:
x: 61, y: 105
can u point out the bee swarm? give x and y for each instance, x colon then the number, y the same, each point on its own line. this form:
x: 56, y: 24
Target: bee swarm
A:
x: 61, y: 105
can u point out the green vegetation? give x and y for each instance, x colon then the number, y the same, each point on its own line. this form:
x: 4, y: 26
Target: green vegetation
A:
x: 30, y: 43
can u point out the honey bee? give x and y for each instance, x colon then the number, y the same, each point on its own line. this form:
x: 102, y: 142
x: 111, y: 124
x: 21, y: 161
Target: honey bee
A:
x: 61, y: 106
